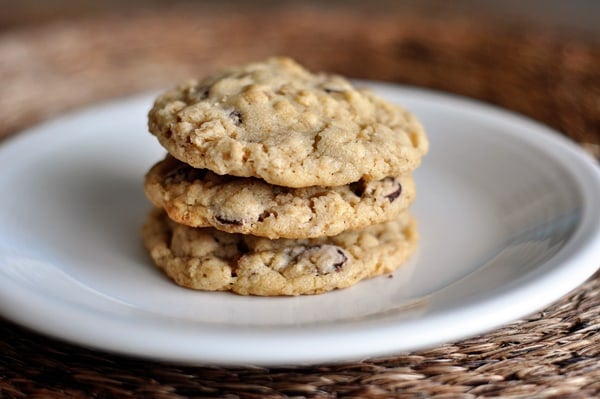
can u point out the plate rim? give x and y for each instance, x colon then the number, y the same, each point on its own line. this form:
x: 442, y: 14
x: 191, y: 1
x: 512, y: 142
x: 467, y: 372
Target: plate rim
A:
x: 580, y: 249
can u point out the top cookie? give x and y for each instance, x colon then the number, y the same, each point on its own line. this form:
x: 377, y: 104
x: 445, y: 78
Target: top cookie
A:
x: 276, y: 121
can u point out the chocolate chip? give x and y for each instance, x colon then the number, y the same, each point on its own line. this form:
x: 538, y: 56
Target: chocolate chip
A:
x: 224, y: 220
x: 338, y: 266
x: 327, y: 258
x: 198, y: 93
x: 236, y: 116
x: 263, y: 216
x: 358, y: 188
x: 396, y: 193
x: 330, y: 90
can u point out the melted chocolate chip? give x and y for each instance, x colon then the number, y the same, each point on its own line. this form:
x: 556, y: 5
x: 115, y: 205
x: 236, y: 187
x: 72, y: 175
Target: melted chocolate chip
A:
x: 358, y: 188
x: 224, y: 220
x: 338, y: 266
x: 263, y: 216
x: 236, y: 116
x: 323, y: 254
x: 396, y: 193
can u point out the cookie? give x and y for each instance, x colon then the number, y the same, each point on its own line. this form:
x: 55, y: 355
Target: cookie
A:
x: 212, y: 260
x: 201, y: 198
x: 276, y: 121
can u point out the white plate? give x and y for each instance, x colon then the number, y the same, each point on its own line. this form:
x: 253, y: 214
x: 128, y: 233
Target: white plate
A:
x: 508, y: 213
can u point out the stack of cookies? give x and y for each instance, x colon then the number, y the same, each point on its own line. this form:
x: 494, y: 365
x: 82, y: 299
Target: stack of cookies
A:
x: 279, y: 181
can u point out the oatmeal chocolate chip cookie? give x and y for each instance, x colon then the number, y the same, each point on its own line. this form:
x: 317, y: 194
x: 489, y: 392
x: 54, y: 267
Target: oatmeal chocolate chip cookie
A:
x: 212, y: 260
x: 201, y: 198
x: 276, y: 121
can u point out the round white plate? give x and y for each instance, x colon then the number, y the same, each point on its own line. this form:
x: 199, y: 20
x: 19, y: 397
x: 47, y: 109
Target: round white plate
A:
x: 508, y: 213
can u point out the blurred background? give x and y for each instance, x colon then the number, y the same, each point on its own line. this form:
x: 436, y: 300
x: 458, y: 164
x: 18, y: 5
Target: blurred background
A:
x: 536, y: 57
x: 577, y: 14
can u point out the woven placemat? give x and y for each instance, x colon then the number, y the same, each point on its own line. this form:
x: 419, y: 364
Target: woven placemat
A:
x: 547, y: 75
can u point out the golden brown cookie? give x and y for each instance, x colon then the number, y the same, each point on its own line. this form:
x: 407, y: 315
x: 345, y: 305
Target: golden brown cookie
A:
x: 200, y: 198
x: 276, y: 121
x: 209, y: 259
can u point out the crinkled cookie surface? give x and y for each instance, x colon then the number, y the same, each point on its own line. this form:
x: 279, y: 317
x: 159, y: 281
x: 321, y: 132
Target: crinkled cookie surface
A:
x: 276, y: 121
x: 208, y: 259
x: 201, y: 198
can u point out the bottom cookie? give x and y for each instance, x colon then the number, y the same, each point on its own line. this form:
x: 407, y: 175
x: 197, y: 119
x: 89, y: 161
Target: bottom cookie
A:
x: 212, y: 260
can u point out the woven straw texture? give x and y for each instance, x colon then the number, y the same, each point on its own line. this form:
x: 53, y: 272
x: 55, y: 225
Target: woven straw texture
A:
x: 552, y: 77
